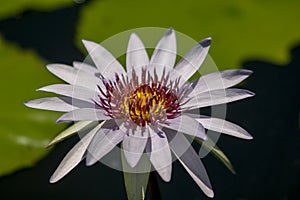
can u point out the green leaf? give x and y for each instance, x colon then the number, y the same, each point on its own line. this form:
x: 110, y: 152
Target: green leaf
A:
x: 136, y: 179
x: 24, y: 132
x: 240, y: 29
x: 14, y: 7
x: 212, y: 148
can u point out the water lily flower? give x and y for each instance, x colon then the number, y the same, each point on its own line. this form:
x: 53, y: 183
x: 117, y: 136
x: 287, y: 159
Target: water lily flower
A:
x: 146, y: 108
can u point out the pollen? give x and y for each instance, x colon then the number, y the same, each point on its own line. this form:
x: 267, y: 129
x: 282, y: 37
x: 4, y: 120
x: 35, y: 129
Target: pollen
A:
x: 148, y: 104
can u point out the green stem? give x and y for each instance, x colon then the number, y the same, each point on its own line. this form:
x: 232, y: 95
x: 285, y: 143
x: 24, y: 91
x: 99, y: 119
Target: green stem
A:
x: 154, y: 187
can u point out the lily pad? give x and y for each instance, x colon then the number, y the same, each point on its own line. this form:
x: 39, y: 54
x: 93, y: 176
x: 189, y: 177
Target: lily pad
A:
x: 13, y: 7
x: 24, y: 132
x: 240, y: 29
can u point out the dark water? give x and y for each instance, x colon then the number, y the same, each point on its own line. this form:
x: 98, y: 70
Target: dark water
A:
x: 268, y: 167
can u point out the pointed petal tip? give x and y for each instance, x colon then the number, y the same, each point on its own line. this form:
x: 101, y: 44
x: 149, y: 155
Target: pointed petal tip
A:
x: 248, y: 137
x: 59, y: 120
x: 49, y: 145
x: 246, y: 72
x: 131, y: 159
x: 133, y: 162
x: 26, y: 103
x: 53, y: 179
x: 165, y: 177
x: 89, y: 162
x: 84, y: 41
x: 165, y: 173
x: 54, y: 65
x: 133, y: 35
x: 251, y: 94
x: 42, y: 89
x: 89, y: 45
x: 206, y: 42
x: 204, y: 137
x: 50, y: 66
x: 210, y: 194
x: 29, y: 104
x: 170, y: 31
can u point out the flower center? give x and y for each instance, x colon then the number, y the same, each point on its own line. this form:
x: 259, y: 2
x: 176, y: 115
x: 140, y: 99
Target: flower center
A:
x: 149, y: 104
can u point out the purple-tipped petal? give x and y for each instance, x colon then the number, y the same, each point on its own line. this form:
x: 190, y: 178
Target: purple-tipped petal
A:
x: 191, y: 62
x: 216, y: 97
x: 164, y: 55
x: 219, y: 80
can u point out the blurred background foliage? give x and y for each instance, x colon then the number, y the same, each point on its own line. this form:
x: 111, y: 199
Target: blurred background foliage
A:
x: 241, y: 30
x: 15, y: 7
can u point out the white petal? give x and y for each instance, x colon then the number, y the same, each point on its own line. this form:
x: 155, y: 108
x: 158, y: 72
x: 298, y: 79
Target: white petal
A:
x: 76, y: 127
x: 106, y: 63
x: 61, y: 104
x: 134, y: 145
x: 74, y: 76
x: 219, y: 80
x: 84, y: 114
x: 74, y: 91
x: 136, y: 56
x: 160, y: 154
x: 74, y: 156
x: 191, y: 162
x: 85, y: 67
x: 104, y: 141
x: 223, y: 126
x: 187, y: 125
x: 191, y: 62
x: 164, y: 55
x: 216, y: 97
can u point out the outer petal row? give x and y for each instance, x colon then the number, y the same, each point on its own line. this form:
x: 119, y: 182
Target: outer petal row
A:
x: 74, y: 91
x: 190, y: 161
x: 74, y: 76
x: 106, y: 63
x: 191, y: 62
x: 61, y: 104
x: 216, y: 97
x: 218, y: 80
x: 74, y: 156
x: 164, y: 55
